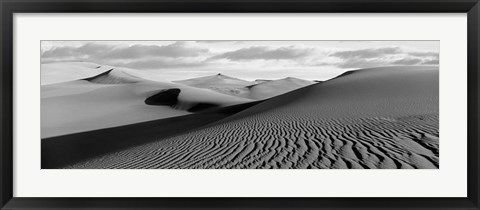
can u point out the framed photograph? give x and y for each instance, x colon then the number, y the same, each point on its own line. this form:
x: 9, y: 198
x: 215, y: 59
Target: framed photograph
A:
x: 266, y: 104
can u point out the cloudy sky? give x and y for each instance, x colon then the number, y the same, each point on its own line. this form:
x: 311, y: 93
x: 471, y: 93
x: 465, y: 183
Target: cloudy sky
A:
x: 312, y: 60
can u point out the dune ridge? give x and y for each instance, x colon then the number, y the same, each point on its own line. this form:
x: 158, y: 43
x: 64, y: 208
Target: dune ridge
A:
x: 113, y: 76
x: 268, y: 89
x: 52, y: 73
x: 217, y: 80
x: 373, y: 118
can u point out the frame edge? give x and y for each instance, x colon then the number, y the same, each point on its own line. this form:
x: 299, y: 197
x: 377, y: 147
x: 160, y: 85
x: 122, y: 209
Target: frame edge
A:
x: 7, y: 9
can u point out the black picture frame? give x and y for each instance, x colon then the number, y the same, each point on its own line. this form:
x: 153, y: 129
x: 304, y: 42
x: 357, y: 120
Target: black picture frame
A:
x: 9, y: 7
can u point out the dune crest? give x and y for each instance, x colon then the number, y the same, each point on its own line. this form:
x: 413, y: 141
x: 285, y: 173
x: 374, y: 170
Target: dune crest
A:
x: 268, y: 89
x: 113, y: 76
x: 217, y: 80
x: 52, y: 73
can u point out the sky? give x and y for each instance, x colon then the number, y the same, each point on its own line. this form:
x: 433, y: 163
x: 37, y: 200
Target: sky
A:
x: 249, y: 60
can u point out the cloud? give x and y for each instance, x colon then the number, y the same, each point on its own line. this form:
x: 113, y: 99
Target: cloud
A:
x: 359, y: 63
x: 407, y: 61
x: 424, y: 54
x: 175, y: 50
x: 161, y: 63
x: 367, y: 53
x: 431, y: 62
x: 233, y: 54
x: 139, y: 56
x: 94, y: 51
x: 220, y: 42
x: 214, y: 41
x: 253, y: 53
x: 73, y: 53
x: 386, y: 56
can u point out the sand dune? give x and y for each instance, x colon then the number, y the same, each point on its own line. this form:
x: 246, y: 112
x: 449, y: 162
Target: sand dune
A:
x: 218, y: 80
x: 52, y: 73
x: 258, y: 81
x: 114, y: 77
x: 219, y: 83
x: 372, y: 118
x: 268, y: 89
x: 115, y: 97
x: 257, y: 90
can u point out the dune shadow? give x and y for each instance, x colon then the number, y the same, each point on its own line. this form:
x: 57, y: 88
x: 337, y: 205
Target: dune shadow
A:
x: 168, y: 97
x: 61, y: 151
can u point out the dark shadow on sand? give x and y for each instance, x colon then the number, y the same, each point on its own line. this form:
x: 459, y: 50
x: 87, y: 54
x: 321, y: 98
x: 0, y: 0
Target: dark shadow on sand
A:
x: 61, y: 151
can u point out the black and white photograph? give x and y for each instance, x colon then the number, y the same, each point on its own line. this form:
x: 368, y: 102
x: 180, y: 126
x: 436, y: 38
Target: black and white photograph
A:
x: 239, y: 104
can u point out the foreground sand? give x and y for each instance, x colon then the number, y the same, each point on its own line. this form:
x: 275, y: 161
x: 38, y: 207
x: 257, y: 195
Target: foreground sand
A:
x: 61, y: 151
x: 374, y: 118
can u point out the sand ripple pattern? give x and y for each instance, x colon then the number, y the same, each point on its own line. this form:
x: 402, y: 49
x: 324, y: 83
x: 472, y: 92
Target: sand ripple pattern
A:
x: 299, y: 143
